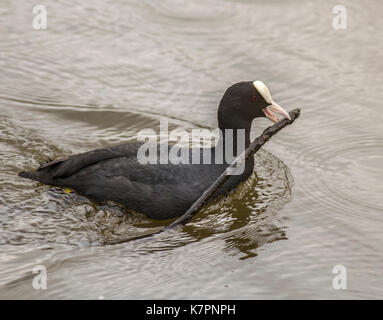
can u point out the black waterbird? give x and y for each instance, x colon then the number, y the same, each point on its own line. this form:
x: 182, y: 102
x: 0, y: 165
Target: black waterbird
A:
x: 162, y: 191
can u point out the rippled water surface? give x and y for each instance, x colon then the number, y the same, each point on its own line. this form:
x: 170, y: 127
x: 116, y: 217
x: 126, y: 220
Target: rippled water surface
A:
x: 103, y: 70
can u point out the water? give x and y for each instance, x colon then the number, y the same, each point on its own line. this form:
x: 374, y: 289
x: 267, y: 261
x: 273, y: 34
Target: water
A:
x: 103, y: 70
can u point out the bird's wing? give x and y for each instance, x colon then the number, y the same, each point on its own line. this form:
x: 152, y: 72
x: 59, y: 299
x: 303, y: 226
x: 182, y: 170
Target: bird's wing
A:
x: 64, y: 168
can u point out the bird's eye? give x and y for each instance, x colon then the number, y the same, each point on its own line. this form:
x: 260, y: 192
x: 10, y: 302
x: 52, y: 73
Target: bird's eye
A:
x: 254, y: 98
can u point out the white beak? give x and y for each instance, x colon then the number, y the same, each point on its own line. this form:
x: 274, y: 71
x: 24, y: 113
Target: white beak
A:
x: 274, y: 107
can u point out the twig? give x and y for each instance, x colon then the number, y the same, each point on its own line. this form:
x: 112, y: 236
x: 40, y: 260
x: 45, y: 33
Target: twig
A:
x: 205, y: 197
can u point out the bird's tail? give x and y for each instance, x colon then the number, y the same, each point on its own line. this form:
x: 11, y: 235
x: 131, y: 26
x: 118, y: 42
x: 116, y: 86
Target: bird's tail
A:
x: 33, y: 175
x: 27, y: 174
x: 44, y: 174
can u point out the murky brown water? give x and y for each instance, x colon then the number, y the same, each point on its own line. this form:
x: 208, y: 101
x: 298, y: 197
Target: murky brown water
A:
x: 103, y: 70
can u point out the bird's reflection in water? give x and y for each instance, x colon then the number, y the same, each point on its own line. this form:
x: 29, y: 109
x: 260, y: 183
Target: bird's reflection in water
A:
x: 249, y: 217
x: 247, y: 243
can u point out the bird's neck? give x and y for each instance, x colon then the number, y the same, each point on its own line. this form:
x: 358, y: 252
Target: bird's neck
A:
x: 233, y: 127
x: 234, y: 139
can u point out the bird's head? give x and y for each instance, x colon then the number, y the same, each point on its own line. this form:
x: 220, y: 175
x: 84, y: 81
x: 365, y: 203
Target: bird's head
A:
x: 244, y: 101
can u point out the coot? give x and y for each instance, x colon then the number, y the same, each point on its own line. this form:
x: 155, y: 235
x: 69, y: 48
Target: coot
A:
x: 162, y: 191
